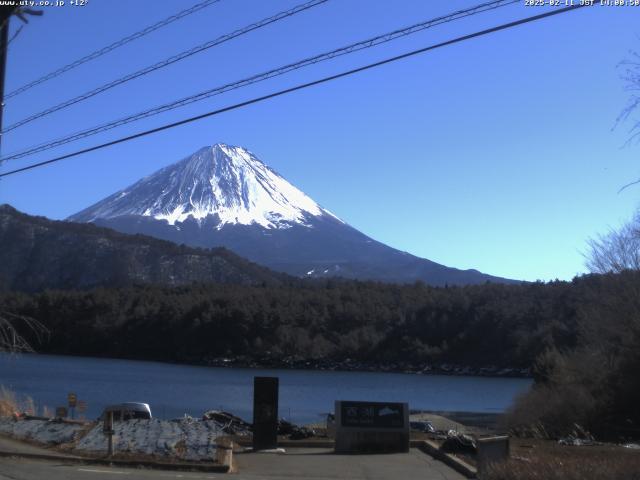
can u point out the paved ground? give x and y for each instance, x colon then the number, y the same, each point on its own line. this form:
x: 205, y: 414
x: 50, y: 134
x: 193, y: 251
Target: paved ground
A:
x: 22, y: 469
x: 310, y: 463
x: 10, y: 445
x: 315, y: 464
x: 322, y: 464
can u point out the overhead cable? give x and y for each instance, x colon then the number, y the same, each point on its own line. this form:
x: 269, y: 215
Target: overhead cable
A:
x: 236, y: 106
x: 166, y: 62
x: 123, y: 41
x: 354, y: 47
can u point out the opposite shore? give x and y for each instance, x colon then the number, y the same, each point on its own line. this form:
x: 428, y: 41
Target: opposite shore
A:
x: 351, y: 365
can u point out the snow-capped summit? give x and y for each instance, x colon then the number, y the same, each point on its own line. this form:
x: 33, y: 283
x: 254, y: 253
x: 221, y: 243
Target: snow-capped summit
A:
x: 221, y: 181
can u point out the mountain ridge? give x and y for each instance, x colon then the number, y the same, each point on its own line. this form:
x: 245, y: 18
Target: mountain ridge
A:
x: 40, y: 253
x: 225, y: 196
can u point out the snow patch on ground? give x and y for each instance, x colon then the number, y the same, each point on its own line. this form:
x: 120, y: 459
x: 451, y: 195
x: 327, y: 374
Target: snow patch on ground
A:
x: 40, y: 431
x: 184, y: 439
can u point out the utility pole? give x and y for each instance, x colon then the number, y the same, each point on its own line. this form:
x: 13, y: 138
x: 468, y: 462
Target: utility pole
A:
x: 5, y: 16
x: 5, y: 13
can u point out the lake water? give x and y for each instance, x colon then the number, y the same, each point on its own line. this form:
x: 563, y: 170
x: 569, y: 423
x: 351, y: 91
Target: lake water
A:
x: 173, y: 390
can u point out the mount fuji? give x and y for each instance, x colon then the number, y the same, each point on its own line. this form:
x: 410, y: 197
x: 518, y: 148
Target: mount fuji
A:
x: 225, y: 196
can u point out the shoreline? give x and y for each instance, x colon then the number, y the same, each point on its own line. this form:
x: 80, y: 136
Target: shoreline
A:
x: 347, y: 365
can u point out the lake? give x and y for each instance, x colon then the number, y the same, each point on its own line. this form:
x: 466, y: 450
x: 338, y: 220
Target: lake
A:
x: 173, y: 390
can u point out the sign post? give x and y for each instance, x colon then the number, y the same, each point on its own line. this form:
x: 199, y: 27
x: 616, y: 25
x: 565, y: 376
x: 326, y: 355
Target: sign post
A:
x: 371, y: 427
x: 107, y: 429
x: 72, y: 398
x: 82, y: 407
x: 61, y: 412
x: 265, y: 413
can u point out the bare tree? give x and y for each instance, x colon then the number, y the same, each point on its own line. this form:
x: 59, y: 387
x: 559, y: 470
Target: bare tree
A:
x: 11, y: 338
x: 631, y: 78
x: 617, y: 250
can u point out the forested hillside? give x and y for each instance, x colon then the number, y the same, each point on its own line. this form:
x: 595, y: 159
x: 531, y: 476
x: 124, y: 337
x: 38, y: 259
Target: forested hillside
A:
x: 492, y: 324
x: 38, y: 253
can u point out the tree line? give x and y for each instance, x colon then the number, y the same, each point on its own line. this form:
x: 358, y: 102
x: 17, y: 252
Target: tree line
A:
x: 491, y: 324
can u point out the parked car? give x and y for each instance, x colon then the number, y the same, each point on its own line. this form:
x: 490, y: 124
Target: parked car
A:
x: 127, y: 411
x: 422, y: 426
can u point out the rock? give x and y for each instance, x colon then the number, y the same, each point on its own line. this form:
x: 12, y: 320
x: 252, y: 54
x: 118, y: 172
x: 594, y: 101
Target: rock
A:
x: 578, y: 438
x: 294, y: 431
x: 458, y: 443
x: 300, y: 433
x: 229, y: 423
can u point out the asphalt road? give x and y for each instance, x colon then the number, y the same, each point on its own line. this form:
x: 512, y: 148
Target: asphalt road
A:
x: 296, y: 463
x: 23, y: 469
x: 316, y: 464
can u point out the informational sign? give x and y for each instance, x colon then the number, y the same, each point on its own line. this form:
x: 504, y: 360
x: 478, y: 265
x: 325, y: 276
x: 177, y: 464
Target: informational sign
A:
x: 372, y: 414
x: 82, y: 406
x: 265, y: 413
x: 72, y: 398
x: 61, y: 412
x: 371, y: 427
x: 107, y: 425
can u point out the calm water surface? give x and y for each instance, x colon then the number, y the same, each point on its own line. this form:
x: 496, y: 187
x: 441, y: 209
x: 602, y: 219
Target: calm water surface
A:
x: 173, y: 390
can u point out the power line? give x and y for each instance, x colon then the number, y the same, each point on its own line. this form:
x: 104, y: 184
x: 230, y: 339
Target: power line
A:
x: 98, y: 53
x: 470, y: 36
x: 173, y: 59
x: 371, y: 42
x: 14, y: 36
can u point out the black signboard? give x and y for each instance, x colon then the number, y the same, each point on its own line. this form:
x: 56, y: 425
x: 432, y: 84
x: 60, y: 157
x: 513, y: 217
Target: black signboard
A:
x: 265, y: 413
x: 372, y: 415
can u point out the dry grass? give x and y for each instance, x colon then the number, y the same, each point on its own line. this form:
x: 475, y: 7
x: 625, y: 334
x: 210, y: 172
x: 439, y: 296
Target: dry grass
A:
x: 8, y: 402
x: 540, y: 460
x: 550, y: 412
x: 11, y: 403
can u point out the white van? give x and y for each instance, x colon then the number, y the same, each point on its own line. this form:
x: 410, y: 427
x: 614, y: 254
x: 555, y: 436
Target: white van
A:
x: 128, y: 411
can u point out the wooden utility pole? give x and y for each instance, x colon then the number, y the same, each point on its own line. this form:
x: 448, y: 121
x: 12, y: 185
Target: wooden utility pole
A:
x: 5, y: 16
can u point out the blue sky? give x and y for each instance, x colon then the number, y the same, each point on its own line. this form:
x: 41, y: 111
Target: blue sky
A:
x: 497, y: 154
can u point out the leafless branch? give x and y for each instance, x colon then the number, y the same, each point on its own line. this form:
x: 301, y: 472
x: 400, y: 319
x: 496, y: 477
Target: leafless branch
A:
x: 617, y: 250
x: 11, y: 326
